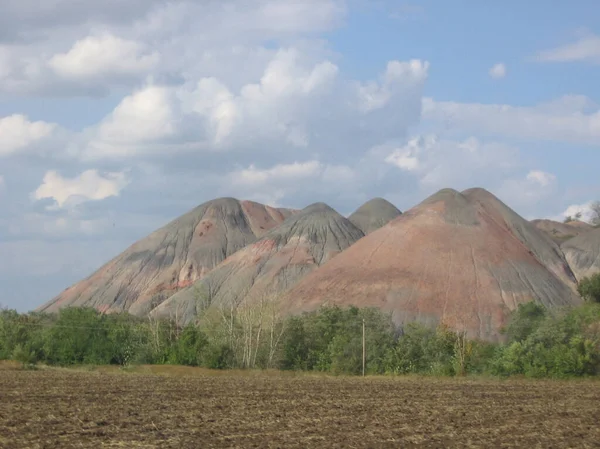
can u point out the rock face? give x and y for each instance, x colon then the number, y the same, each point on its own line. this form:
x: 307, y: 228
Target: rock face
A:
x: 271, y: 265
x: 173, y: 257
x: 462, y: 259
x: 374, y: 214
x: 583, y: 253
x: 561, y: 232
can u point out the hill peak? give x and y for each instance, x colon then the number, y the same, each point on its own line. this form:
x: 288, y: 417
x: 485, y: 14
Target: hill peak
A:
x: 374, y: 214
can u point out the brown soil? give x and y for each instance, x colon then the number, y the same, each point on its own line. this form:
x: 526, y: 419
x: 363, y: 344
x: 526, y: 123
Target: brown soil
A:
x: 69, y: 409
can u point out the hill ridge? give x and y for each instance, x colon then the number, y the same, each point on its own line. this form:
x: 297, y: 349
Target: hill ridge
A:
x: 273, y: 263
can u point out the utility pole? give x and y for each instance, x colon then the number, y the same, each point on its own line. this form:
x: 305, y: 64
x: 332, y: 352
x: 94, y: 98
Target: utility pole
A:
x: 363, y: 348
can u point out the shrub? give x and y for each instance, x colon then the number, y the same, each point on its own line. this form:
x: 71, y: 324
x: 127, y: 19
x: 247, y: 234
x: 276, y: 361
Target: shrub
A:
x: 589, y: 288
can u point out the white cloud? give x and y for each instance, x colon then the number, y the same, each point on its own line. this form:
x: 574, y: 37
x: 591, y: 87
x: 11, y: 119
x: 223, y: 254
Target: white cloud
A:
x: 407, y: 157
x: 437, y: 163
x: 397, y: 77
x: 586, y: 49
x: 569, y: 104
x: 285, y: 75
x: 104, y: 55
x: 527, y: 192
x: 297, y: 103
x: 17, y: 133
x: 212, y: 100
x: 540, y: 122
x: 253, y: 176
x: 299, y: 16
x: 130, y: 41
x: 270, y: 185
x: 542, y: 178
x: 584, y: 209
x: 145, y: 115
x: 144, y: 118
x: 34, y: 20
x: 88, y: 186
x: 267, y: 108
x: 498, y: 71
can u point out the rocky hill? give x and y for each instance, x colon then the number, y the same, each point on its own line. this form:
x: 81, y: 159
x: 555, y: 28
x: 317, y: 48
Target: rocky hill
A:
x: 561, y: 232
x: 263, y: 270
x: 374, y: 214
x: 463, y: 259
x: 583, y: 253
x: 171, y: 258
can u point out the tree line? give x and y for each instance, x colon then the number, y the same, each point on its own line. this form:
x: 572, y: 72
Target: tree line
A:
x: 538, y: 342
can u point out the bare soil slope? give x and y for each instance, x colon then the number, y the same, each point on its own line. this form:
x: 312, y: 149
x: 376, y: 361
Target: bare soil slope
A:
x: 462, y: 259
x: 561, y: 232
x: 374, y: 214
x: 271, y: 265
x: 173, y: 257
x: 583, y: 253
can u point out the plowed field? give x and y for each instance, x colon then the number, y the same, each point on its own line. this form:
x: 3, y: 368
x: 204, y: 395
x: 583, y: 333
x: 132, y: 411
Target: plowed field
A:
x: 73, y: 409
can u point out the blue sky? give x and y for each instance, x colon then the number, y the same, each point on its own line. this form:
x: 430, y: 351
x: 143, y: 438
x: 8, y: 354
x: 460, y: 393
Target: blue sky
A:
x: 116, y: 118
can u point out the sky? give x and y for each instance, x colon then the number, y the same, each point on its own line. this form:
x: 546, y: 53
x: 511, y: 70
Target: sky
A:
x: 118, y: 116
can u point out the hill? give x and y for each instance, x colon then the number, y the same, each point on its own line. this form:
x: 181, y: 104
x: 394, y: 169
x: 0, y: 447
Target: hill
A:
x: 273, y: 264
x: 374, y: 214
x: 171, y: 258
x: 583, y: 253
x: 462, y: 259
x: 561, y: 232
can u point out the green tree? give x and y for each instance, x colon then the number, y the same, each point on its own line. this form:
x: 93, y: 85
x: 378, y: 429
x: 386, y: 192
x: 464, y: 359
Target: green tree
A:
x: 424, y: 350
x: 126, y: 338
x: 524, y: 321
x: 295, y: 345
x: 589, y: 288
x: 190, y: 347
x: 563, y: 345
x: 79, y: 335
x: 25, y: 330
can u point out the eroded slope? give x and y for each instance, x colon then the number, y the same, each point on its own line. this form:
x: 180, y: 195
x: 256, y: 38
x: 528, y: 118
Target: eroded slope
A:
x: 271, y: 265
x: 463, y: 259
x: 171, y: 258
x: 583, y: 253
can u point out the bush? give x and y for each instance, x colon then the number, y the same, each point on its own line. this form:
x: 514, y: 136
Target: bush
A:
x: 566, y: 345
x: 190, y: 347
x: 25, y: 356
x: 423, y: 350
x: 589, y: 288
x: 563, y: 343
x: 524, y: 321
